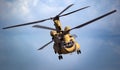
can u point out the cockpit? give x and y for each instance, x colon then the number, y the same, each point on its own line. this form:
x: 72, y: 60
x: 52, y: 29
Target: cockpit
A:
x: 67, y: 45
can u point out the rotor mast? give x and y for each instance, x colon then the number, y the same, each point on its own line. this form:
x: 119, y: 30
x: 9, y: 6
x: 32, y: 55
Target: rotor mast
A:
x: 57, y: 24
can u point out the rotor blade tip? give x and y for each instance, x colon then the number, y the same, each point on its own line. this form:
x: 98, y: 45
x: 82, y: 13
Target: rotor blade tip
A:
x: 5, y: 28
x: 87, y: 6
x: 115, y: 10
x: 39, y: 48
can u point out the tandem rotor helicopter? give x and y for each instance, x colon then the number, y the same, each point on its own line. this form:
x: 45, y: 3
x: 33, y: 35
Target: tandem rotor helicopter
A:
x: 64, y: 42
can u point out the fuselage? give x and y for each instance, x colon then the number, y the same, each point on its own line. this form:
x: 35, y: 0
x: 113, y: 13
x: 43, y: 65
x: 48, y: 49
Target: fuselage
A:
x: 63, y: 43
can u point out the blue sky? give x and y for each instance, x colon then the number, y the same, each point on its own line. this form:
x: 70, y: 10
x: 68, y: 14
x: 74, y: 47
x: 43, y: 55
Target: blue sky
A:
x: 99, y: 41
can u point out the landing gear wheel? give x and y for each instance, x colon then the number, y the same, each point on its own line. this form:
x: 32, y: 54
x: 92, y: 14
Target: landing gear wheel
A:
x: 60, y: 57
x: 78, y: 52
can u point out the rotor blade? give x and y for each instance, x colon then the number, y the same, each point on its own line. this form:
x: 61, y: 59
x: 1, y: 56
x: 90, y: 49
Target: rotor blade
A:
x: 45, y: 45
x: 74, y: 11
x: 44, y: 27
x: 26, y: 23
x: 36, y: 21
x: 65, y: 9
x: 79, y: 26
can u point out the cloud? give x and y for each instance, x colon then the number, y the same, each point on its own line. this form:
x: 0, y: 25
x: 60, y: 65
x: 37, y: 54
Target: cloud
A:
x: 115, y: 46
x: 48, y: 10
x: 29, y: 40
x: 35, y: 2
x: 68, y: 1
x: 111, y: 23
x: 17, y: 8
x: 29, y: 8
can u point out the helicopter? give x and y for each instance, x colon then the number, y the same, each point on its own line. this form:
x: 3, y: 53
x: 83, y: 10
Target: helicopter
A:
x: 64, y: 42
